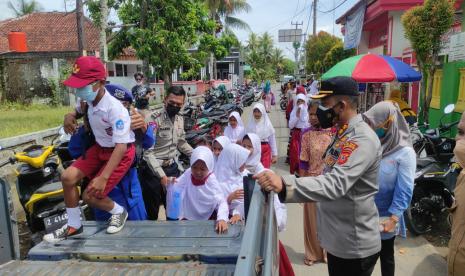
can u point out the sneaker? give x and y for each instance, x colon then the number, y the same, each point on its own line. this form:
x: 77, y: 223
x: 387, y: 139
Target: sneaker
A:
x: 62, y: 233
x: 116, y: 222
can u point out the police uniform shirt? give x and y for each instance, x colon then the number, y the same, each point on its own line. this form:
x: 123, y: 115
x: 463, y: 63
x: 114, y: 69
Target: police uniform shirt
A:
x: 348, y: 222
x: 110, y: 122
x: 170, y: 137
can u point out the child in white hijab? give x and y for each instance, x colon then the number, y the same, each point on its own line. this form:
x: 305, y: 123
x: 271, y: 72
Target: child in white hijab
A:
x: 235, y: 129
x: 218, y: 145
x: 261, y: 125
x: 229, y: 171
x: 202, y: 197
x: 253, y: 165
x: 298, y: 121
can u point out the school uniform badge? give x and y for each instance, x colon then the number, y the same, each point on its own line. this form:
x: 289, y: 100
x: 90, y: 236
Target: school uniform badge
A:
x: 119, y: 124
x: 346, y: 151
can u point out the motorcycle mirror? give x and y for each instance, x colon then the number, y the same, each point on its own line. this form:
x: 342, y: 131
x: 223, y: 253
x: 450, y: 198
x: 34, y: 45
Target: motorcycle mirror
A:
x: 449, y: 108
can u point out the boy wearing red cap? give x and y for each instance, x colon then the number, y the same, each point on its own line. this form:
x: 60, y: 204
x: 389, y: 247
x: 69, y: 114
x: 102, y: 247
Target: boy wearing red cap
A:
x: 107, y: 161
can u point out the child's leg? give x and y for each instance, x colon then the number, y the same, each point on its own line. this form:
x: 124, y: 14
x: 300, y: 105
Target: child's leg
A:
x: 83, y: 167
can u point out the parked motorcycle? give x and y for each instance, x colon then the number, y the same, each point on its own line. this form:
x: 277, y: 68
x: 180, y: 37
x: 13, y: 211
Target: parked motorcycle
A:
x: 38, y: 184
x: 283, y: 101
x: 435, y: 179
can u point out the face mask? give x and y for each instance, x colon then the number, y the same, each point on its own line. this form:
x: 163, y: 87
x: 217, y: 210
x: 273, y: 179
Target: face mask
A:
x: 381, y: 132
x: 325, y: 116
x: 139, y: 82
x: 257, y: 120
x: 459, y: 152
x: 172, y: 110
x: 86, y: 93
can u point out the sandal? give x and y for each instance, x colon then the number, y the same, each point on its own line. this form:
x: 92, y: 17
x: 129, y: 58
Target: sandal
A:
x: 308, y: 262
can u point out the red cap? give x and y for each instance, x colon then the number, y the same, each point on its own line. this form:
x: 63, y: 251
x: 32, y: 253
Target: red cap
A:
x: 86, y: 70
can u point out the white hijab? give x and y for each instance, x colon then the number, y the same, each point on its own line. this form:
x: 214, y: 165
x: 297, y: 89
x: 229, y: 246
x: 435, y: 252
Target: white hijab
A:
x: 223, y: 141
x: 303, y: 111
x: 235, y: 134
x: 253, y: 164
x: 263, y: 128
x: 206, y: 155
x: 227, y: 169
x: 314, y: 88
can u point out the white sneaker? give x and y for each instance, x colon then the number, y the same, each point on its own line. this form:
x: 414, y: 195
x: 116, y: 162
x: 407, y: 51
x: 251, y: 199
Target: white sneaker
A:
x: 62, y: 233
x: 116, y: 222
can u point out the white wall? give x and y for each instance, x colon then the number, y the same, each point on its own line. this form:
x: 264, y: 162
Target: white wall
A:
x: 399, y: 42
x: 363, y: 46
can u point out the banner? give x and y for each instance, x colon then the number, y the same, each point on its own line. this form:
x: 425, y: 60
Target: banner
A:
x: 353, y: 28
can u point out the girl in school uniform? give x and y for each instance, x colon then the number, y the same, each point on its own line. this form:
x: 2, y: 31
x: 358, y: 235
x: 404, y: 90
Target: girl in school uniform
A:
x: 261, y: 125
x: 229, y: 171
x: 253, y: 165
x: 218, y: 145
x: 202, y: 197
x: 297, y: 121
x: 235, y: 129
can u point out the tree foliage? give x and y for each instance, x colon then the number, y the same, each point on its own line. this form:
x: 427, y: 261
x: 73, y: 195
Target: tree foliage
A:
x: 424, y: 25
x: 266, y: 61
x: 23, y: 7
x: 173, y: 28
x: 323, y: 51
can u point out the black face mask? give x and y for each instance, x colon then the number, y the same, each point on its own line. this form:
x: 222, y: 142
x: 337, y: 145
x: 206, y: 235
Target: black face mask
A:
x: 326, y: 116
x: 172, y: 110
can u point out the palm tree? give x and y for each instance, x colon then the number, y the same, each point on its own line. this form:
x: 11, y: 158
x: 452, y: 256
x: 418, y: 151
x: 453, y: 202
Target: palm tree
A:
x: 23, y: 7
x: 277, y: 60
x: 222, y: 12
x: 266, y: 46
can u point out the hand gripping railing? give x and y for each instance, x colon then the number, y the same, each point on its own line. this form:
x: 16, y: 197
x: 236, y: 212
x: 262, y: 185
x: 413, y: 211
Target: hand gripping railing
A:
x: 258, y: 254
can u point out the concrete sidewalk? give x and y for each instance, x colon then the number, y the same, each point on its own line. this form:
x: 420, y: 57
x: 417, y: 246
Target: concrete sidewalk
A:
x: 414, y: 256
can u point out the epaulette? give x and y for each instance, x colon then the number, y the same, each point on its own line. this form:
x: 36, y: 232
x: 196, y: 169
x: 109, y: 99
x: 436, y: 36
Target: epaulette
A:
x: 156, y: 114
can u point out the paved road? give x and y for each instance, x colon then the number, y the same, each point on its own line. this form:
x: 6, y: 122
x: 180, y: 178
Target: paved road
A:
x: 414, y: 256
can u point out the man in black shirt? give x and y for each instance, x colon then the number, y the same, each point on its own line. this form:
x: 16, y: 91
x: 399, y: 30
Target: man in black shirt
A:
x: 141, y: 93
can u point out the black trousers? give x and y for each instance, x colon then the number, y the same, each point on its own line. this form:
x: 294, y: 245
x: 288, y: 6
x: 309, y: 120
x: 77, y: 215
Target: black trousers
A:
x: 351, y: 267
x: 153, y: 192
x: 387, y: 257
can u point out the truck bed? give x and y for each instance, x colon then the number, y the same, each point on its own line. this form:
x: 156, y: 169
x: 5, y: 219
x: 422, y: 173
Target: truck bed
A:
x: 142, y: 247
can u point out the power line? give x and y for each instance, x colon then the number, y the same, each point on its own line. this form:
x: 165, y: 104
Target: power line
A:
x: 333, y: 9
x: 309, y: 18
x: 287, y: 20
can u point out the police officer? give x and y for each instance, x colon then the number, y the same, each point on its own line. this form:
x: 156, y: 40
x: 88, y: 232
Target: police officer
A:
x: 159, y: 162
x: 348, y: 222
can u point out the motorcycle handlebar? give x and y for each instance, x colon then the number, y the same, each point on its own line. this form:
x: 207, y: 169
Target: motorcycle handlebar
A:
x: 9, y: 161
x: 448, y: 126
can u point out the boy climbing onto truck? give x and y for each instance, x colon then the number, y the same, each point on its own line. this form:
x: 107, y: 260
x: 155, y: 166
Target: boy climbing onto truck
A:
x: 105, y: 162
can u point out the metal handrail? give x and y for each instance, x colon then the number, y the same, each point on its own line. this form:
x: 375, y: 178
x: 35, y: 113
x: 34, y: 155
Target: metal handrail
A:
x: 258, y: 253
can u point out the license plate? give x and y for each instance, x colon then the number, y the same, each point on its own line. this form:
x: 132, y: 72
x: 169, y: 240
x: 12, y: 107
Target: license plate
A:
x: 54, y: 222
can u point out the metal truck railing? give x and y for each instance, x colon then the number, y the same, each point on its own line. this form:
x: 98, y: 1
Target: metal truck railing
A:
x: 258, y: 254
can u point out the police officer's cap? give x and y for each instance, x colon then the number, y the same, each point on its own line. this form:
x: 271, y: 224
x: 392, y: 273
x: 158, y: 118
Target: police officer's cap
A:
x: 119, y: 92
x: 346, y: 86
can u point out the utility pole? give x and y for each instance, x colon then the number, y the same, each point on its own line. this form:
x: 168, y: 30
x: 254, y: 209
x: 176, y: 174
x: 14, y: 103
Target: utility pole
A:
x: 80, y: 27
x: 296, y: 45
x: 103, y: 31
x: 314, y: 16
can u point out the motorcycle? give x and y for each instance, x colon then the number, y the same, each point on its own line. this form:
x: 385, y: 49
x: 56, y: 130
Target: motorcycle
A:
x: 283, y: 101
x: 38, y: 184
x: 435, y: 178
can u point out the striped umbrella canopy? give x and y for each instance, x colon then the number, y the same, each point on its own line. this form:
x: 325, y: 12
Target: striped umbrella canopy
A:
x: 369, y: 68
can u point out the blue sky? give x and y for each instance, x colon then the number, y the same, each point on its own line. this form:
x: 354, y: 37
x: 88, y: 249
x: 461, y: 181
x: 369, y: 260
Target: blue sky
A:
x: 266, y: 15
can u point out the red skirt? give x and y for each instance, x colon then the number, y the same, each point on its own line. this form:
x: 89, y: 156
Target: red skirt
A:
x: 266, y: 155
x: 285, y: 266
x: 294, y: 151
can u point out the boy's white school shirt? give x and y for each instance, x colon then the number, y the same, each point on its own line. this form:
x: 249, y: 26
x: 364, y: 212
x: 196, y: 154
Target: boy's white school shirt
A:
x: 199, y: 202
x: 110, y: 122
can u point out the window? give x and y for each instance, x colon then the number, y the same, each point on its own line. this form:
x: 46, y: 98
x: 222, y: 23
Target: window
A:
x: 121, y: 70
x: 436, y: 97
x: 460, y: 106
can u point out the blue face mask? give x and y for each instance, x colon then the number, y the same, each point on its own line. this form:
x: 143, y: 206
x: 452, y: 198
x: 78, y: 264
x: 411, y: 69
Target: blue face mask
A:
x: 86, y: 93
x: 381, y: 132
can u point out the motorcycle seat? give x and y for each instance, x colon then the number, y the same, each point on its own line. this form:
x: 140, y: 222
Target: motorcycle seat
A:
x: 424, y: 161
x: 50, y: 187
